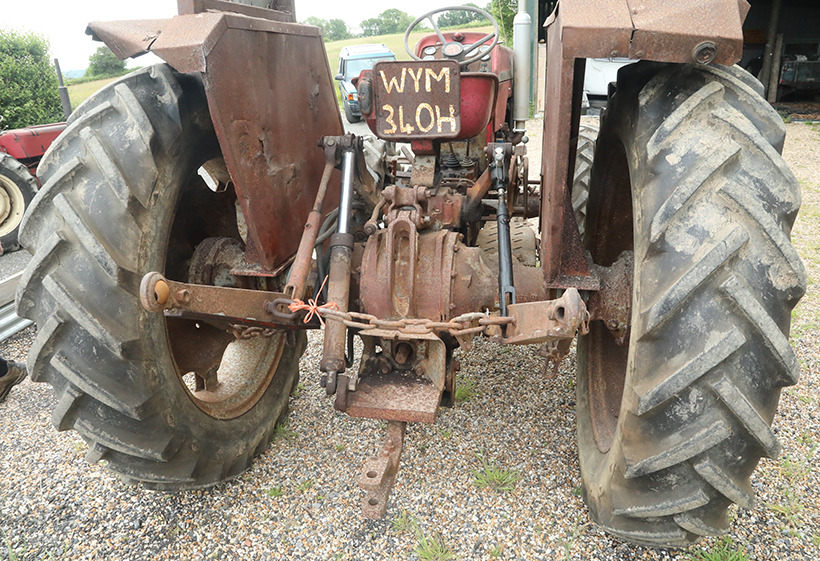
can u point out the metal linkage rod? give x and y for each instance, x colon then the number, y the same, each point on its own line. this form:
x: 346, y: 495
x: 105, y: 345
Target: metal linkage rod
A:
x: 341, y: 251
x: 506, y: 287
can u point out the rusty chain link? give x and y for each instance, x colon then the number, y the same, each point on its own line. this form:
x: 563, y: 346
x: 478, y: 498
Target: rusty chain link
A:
x: 458, y: 326
x: 243, y: 332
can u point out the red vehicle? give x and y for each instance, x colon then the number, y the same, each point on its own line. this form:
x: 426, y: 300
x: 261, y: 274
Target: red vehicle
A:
x: 193, y: 207
x: 20, y: 153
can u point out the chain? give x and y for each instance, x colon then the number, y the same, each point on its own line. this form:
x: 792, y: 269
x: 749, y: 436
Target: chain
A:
x: 241, y: 332
x: 457, y: 327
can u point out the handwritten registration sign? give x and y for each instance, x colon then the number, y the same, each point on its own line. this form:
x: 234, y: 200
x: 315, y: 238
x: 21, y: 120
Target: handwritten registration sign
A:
x: 417, y: 99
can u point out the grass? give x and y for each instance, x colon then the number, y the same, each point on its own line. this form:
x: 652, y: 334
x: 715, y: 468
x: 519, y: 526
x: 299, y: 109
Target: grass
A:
x: 300, y: 387
x: 14, y: 553
x: 465, y: 389
x: 432, y: 548
x: 791, y: 509
x: 724, y: 550
x: 490, y: 476
x: 572, y: 535
x: 428, y: 548
x: 405, y: 522
x: 283, y: 431
x: 275, y: 492
x: 80, y: 92
x: 794, y: 469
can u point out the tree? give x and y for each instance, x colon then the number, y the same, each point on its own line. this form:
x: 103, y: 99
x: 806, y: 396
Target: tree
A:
x: 333, y: 30
x: 504, y: 11
x: 388, y: 22
x: 456, y: 18
x: 104, y: 63
x: 28, y: 83
x: 337, y: 30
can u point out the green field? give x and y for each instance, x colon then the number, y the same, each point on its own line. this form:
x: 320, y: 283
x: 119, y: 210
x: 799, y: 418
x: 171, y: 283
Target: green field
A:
x: 79, y: 92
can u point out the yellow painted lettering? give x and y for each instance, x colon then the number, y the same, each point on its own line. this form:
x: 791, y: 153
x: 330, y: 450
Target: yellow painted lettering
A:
x: 451, y: 120
x: 406, y: 129
x: 443, y: 75
x: 429, y: 109
x: 389, y: 119
x: 416, y: 77
x: 394, y: 82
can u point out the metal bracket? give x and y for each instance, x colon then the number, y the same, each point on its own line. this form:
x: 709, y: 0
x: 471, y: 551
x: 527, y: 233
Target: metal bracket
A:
x: 224, y: 308
x: 379, y: 472
x: 539, y: 322
x: 612, y: 304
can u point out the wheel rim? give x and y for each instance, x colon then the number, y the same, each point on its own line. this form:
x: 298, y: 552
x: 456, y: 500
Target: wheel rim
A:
x: 244, y: 368
x: 223, y: 374
x: 12, y: 205
x: 609, y: 234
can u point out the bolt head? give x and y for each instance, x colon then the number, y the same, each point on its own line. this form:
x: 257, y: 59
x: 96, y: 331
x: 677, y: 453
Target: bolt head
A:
x: 705, y: 52
x: 161, y: 292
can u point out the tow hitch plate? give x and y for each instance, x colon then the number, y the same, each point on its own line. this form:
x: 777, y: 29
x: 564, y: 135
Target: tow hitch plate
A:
x: 417, y: 99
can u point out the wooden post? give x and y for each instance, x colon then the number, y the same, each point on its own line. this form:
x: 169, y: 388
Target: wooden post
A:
x: 774, y: 78
x: 774, y: 19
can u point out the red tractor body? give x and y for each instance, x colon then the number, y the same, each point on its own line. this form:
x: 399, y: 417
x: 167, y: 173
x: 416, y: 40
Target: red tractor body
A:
x: 29, y: 144
x: 671, y: 263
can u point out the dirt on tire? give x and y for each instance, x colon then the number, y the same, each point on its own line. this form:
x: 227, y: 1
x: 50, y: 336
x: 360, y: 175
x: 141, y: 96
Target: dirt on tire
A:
x: 672, y: 424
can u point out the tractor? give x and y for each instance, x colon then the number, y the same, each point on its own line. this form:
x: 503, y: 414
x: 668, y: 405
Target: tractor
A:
x: 20, y: 153
x: 198, y: 217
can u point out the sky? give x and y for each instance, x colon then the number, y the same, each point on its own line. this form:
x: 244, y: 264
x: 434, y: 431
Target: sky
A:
x: 63, y: 23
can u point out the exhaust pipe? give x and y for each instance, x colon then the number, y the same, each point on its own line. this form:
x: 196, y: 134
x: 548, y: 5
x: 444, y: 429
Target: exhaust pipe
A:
x: 64, y: 99
x: 522, y: 49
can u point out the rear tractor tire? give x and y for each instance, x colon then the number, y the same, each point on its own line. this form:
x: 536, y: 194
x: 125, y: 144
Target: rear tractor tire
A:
x: 17, y: 189
x: 584, y: 157
x: 687, y: 178
x: 172, y: 403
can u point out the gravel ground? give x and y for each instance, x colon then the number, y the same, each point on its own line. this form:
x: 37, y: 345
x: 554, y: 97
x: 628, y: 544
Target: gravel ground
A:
x: 300, y: 499
x: 10, y: 263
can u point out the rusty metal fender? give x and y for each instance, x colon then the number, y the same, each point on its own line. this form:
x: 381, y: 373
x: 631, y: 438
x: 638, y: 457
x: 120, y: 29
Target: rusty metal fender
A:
x: 271, y: 98
x: 696, y: 31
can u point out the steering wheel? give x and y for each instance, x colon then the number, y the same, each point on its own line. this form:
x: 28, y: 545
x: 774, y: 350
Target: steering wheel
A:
x: 454, y: 49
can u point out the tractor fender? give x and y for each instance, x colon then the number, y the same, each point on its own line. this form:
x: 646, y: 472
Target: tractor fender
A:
x: 268, y: 109
x: 688, y: 31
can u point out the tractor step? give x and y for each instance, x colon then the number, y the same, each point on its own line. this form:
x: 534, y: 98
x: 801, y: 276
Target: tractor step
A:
x: 395, y: 396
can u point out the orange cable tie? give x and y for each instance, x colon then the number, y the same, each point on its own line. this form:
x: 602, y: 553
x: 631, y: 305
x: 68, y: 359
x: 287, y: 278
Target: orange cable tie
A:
x: 312, y: 307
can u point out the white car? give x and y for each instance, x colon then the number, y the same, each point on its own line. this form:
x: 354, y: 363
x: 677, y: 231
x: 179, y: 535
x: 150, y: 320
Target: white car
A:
x: 600, y: 72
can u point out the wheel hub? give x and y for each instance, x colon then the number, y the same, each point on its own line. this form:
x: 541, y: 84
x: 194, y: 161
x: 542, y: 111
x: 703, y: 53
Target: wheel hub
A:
x: 225, y: 373
x: 10, y: 198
